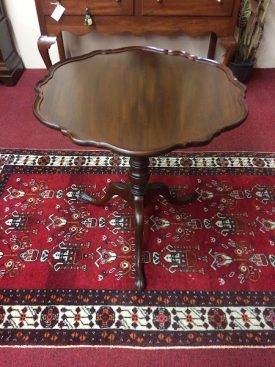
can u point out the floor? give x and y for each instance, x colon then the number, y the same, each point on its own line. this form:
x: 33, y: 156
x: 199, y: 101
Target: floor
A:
x: 20, y: 129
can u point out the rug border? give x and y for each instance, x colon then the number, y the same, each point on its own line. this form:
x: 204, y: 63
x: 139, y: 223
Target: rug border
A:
x: 26, y: 151
x: 135, y: 347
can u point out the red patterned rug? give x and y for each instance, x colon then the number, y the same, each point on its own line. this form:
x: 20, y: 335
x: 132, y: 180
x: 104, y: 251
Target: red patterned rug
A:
x: 67, y: 268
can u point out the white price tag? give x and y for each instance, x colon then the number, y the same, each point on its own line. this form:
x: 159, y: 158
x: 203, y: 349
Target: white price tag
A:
x: 58, y: 12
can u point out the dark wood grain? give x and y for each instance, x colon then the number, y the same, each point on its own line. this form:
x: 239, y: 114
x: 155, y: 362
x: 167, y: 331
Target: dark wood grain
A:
x: 140, y: 101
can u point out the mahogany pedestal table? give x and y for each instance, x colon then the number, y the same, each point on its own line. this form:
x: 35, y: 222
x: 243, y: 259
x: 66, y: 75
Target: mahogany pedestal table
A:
x: 140, y: 102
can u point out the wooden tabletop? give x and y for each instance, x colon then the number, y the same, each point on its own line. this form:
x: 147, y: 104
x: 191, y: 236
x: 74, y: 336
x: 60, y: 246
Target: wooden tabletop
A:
x: 140, y: 101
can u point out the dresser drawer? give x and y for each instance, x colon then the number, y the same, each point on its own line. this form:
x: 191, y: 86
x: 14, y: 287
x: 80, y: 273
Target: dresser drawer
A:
x: 187, y: 7
x: 97, y: 7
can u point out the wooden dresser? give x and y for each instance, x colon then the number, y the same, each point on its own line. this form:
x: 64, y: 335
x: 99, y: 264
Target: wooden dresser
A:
x: 11, y: 65
x: 138, y: 17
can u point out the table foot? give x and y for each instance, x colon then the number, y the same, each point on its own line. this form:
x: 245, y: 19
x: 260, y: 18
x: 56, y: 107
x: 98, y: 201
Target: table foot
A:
x: 139, y: 225
x: 138, y: 194
x: 158, y: 188
x: 115, y: 188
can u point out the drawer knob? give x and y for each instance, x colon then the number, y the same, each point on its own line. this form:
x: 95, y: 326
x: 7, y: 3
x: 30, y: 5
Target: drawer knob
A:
x: 88, y: 21
x: 219, y: 1
x: 159, y: 1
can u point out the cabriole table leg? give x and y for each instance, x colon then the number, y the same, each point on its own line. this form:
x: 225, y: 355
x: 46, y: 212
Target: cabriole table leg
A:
x: 138, y: 193
x: 134, y: 193
x: 44, y: 44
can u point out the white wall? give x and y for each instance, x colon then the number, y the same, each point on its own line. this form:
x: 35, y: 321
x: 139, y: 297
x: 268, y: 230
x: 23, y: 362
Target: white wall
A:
x: 25, y: 27
x: 22, y: 14
x: 266, y: 52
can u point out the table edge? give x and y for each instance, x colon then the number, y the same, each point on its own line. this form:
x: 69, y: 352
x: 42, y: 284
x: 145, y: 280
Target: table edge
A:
x: 145, y: 153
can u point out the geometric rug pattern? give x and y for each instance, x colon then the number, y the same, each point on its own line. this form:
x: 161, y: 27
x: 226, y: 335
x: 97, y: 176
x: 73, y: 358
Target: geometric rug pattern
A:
x: 67, y: 268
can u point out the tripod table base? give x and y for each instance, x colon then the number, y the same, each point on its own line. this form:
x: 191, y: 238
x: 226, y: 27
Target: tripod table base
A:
x: 138, y: 193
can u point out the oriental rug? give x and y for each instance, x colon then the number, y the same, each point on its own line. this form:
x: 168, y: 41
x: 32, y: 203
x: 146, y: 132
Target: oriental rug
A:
x: 67, y: 268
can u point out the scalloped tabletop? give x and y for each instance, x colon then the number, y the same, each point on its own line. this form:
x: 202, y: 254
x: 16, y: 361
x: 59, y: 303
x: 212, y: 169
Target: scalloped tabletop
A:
x: 140, y: 101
